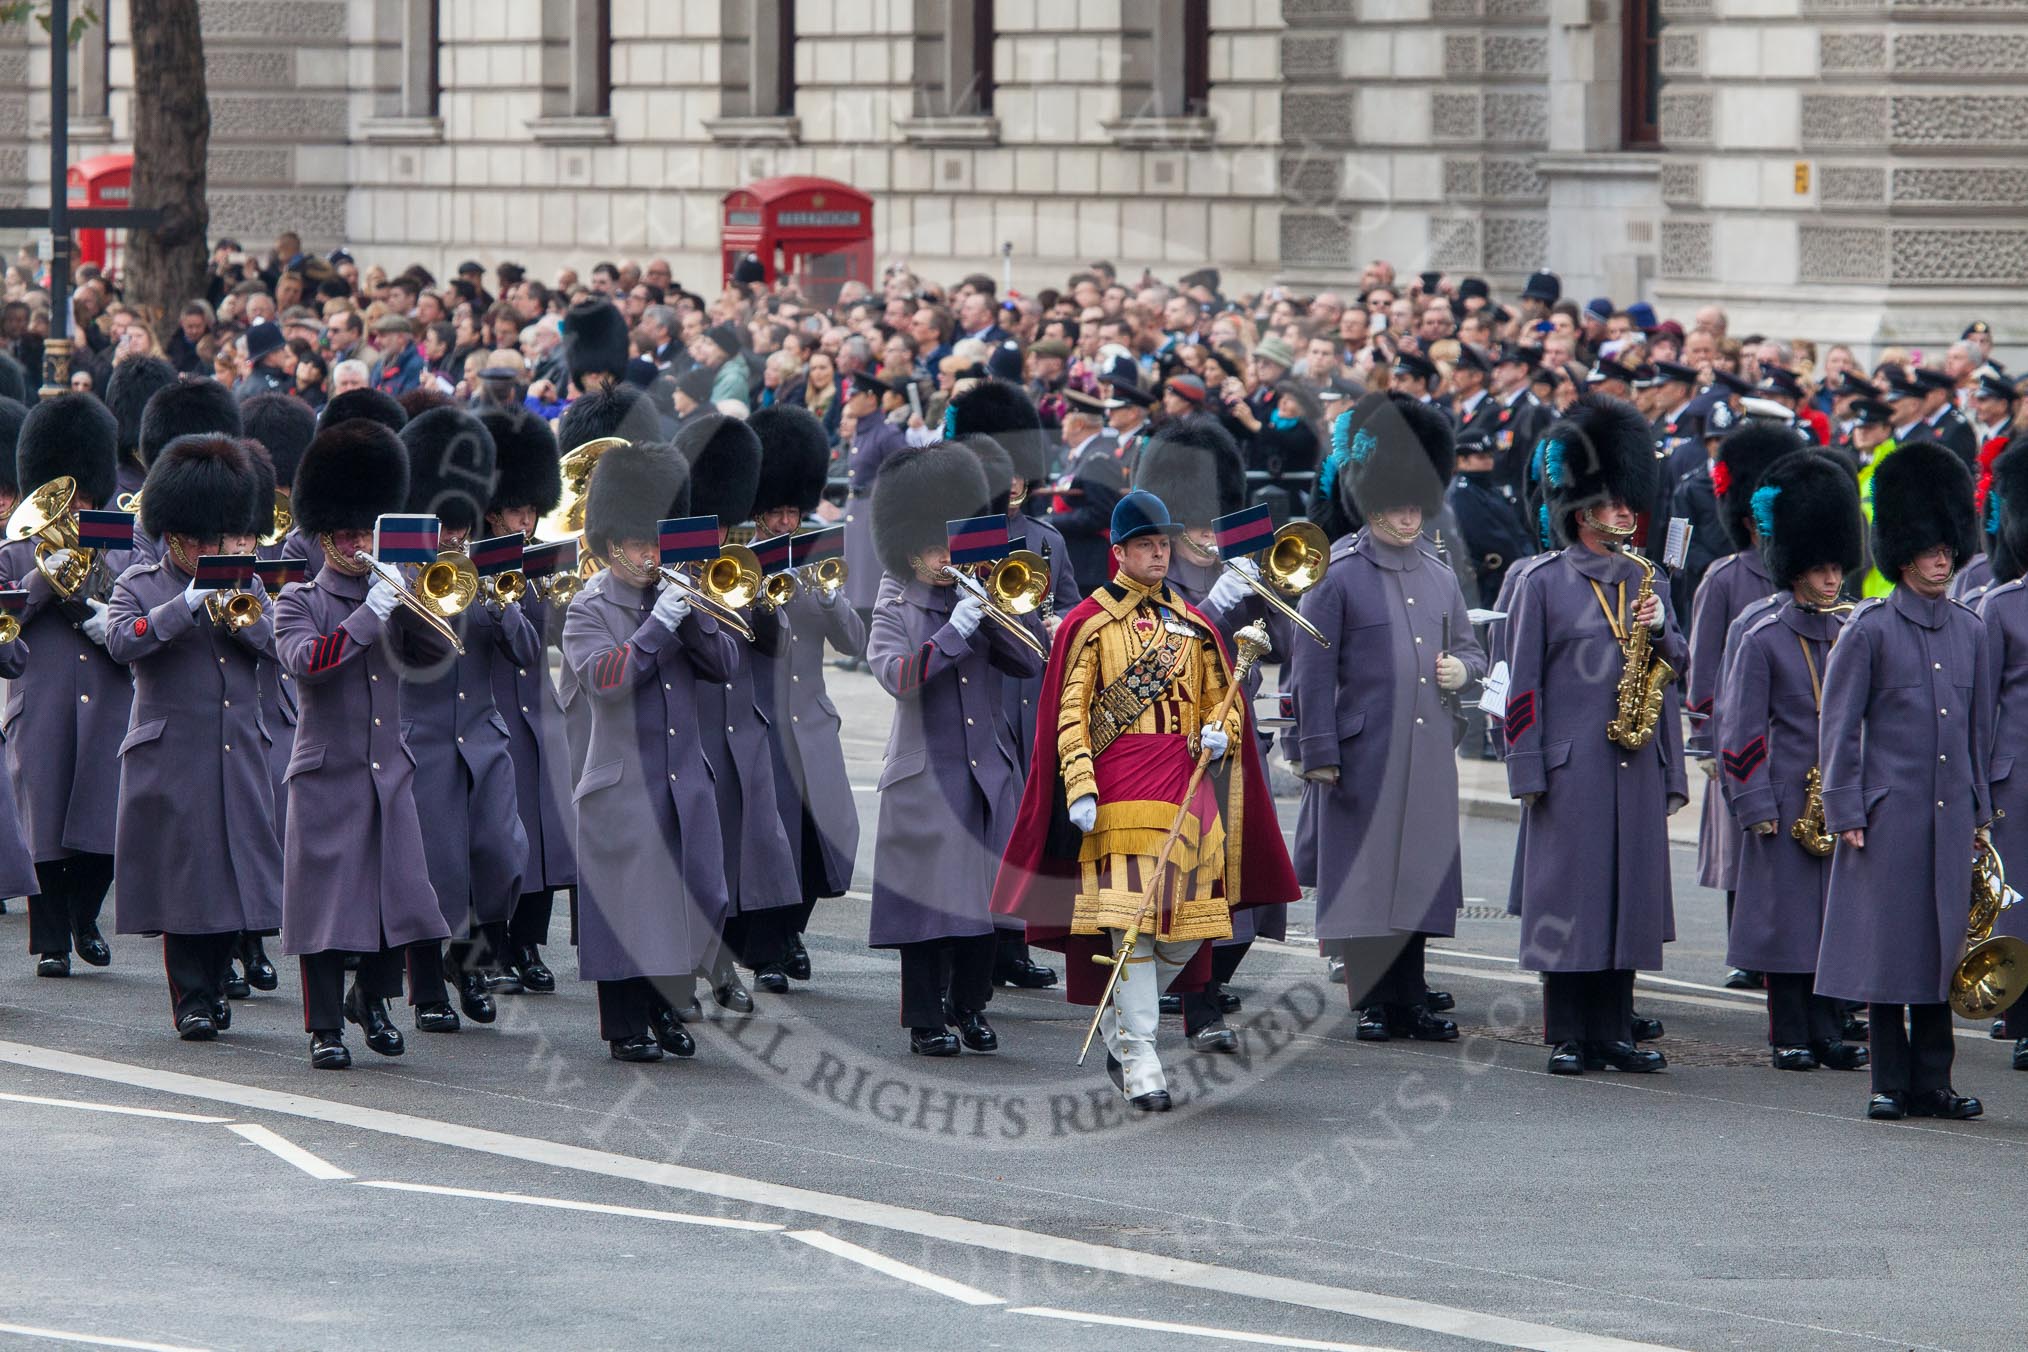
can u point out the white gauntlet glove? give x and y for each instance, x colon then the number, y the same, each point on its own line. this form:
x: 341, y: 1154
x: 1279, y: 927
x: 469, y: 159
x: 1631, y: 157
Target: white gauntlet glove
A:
x: 967, y: 614
x: 1084, y: 812
x: 672, y: 607
x: 1213, y: 739
x: 193, y: 597
x: 95, y: 623
x: 1229, y: 590
x: 382, y: 598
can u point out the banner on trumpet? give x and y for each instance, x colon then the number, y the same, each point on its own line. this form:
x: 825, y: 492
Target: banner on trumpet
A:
x: 276, y: 574
x: 774, y: 553
x: 1246, y: 531
x: 223, y: 572
x: 405, y: 539
x: 816, y: 546
x: 105, y: 530
x: 687, y: 539
x: 501, y: 554
x: 978, y: 539
x: 546, y: 560
x: 13, y: 600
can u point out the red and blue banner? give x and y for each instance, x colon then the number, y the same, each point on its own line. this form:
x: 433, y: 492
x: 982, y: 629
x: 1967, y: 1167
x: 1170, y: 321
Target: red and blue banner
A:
x: 224, y: 572
x: 977, y: 539
x: 276, y: 574
x: 406, y: 539
x: 773, y: 553
x: 501, y: 554
x: 1247, y: 531
x: 558, y: 556
x: 14, y: 600
x: 688, y: 539
x: 817, y: 545
x: 105, y: 530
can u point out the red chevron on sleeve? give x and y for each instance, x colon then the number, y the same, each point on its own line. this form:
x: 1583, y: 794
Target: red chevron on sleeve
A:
x: 328, y: 650
x: 611, y: 667
x: 909, y: 670
x: 1742, y: 763
x: 1520, y: 713
x: 1699, y: 706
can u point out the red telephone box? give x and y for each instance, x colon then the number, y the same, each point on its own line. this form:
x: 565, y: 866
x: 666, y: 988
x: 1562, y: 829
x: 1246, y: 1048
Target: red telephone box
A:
x: 815, y: 231
x: 102, y: 181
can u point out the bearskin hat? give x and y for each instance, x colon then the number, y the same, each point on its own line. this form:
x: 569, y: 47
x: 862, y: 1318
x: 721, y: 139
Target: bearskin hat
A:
x: 725, y: 467
x: 1922, y: 498
x: 1743, y: 457
x: 2007, y: 512
x: 1195, y: 468
x: 1806, y: 508
x: 71, y: 435
x: 132, y: 384
x: 451, y: 467
x: 363, y: 403
x: 527, y: 460
x: 260, y: 506
x: 622, y: 411
x: 13, y: 380
x: 198, y: 485
x: 354, y: 471
x: 1004, y: 412
x: 595, y: 341
x: 1399, y: 452
x: 12, y: 412
x: 1601, y: 450
x: 185, y: 409
x: 916, y: 493
x: 633, y: 488
x: 285, y: 425
x: 795, y: 458
x: 997, y: 466
x: 421, y: 400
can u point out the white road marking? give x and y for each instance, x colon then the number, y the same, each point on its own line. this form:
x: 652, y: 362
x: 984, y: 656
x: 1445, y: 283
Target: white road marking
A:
x: 288, y: 1151
x: 93, y: 1340
x: 1193, y: 1330
x: 123, y: 1111
x: 1417, y: 1314
x: 895, y: 1268
x: 564, y: 1204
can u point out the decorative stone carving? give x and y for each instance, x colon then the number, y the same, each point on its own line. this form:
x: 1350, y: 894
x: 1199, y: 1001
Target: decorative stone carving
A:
x: 1454, y: 9
x: 1682, y: 53
x: 1840, y: 253
x: 1517, y: 10
x: 1454, y: 116
x: 1316, y: 117
x: 1959, y: 256
x: 1506, y: 176
x: 1957, y: 119
x: 248, y: 68
x: 1516, y: 243
x: 1683, y: 182
x: 1953, y: 53
x: 318, y: 215
x: 1685, y: 251
x: 1839, y: 52
x: 13, y: 68
x: 1515, y: 54
x: 1306, y: 56
x: 296, y: 20
x: 1313, y: 179
x: 1461, y: 54
x: 1517, y: 117
x: 1454, y: 244
x: 277, y: 117
x: 249, y: 164
x: 1314, y: 241
x: 1685, y: 118
x: 1987, y: 185
x: 1844, y: 119
x: 1852, y: 184
x: 1461, y: 178
x: 1686, y: 9
x: 1296, y: 11
x: 13, y: 164
x: 14, y: 117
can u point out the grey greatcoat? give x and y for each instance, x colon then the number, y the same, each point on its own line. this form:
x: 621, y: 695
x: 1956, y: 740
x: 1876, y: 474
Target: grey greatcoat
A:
x: 195, y: 850
x: 1024, y: 697
x: 1592, y: 860
x: 464, y: 782
x: 1369, y: 706
x: 1729, y: 586
x: 17, y: 866
x: 651, y: 864
x: 950, y: 786
x: 812, y: 788
x: 760, y: 868
x: 1970, y: 583
x: 278, y: 688
x: 1908, y: 721
x: 355, y: 876
x: 876, y: 439
x: 66, y: 717
x: 2005, y: 610
x: 1768, y: 708
x: 527, y: 699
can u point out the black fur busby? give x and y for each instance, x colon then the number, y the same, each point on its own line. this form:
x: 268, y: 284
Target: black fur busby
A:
x: 1806, y: 508
x: 2007, y: 512
x: 199, y: 485
x: 355, y: 470
x: 595, y: 342
x: 527, y: 460
x: 917, y: 492
x: 70, y: 435
x: 260, y: 503
x: 285, y: 425
x: 622, y: 411
x: 13, y: 380
x: 997, y: 466
x: 1922, y: 498
x: 1399, y: 452
x: 632, y: 488
x: 12, y: 412
x: 1601, y: 450
x: 725, y: 467
x: 795, y: 458
x: 1195, y: 468
x: 189, y: 408
x: 451, y: 467
x: 1743, y: 457
x: 132, y: 384
x: 421, y: 400
x: 363, y: 403
x: 1005, y: 413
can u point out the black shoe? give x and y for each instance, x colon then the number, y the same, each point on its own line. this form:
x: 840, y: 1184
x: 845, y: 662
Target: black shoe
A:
x: 1841, y: 1055
x: 1439, y: 1002
x: 975, y: 1032
x: 371, y: 1016
x: 221, y: 1013
x: 771, y: 979
x: 327, y: 1052
x: 1566, y: 1060
x: 235, y: 986
x: 1423, y: 1026
x: 2021, y: 1054
x: 670, y: 1034
x: 534, y: 975
x: 932, y: 1042
x: 1998, y: 1032
x: 1023, y: 975
x: 472, y: 998
x: 1154, y: 1101
x: 196, y: 1027
x: 1215, y: 1037
x: 1646, y: 1029
x: 1889, y: 1107
x: 797, y: 964
x: 640, y: 1047
x: 1334, y: 971
x: 436, y: 1018
x: 1227, y: 1002
x: 1793, y: 1058
x: 91, y: 946
x: 53, y: 964
x: 1943, y: 1103
x: 1739, y: 979
x: 1855, y: 1029
x: 692, y: 1012
x: 1624, y: 1056
x: 1170, y: 1004
x: 503, y: 981
x: 260, y: 973
x: 1373, y: 1026
x: 730, y: 994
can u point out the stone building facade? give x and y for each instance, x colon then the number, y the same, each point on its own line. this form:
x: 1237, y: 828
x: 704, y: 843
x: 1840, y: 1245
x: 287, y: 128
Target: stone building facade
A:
x: 1843, y: 168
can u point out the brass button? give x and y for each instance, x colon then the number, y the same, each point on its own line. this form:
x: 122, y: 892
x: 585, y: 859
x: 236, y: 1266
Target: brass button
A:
x: 461, y: 694
x: 1943, y: 713
x: 1411, y: 600
x: 968, y: 722
x: 461, y: 741
x: 672, y: 732
x: 82, y: 658
x: 228, y: 704
x: 795, y: 678
x: 962, y: 680
x: 975, y: 765
x: 376, y: 765
x: 522, y: 671
x: 1623, y: 765
x: 795, y: 718
x: 84, y: 699
x: 228, y: 746
x: 376, y: 722
x: 1936, y: 666
x: 1422, y: 680
x: 1942, y: 759
x: 1418, y: 722
x: 1418, y: 638
x: 1939, y: 802
x: 524, y: 708
x: 728, y: 727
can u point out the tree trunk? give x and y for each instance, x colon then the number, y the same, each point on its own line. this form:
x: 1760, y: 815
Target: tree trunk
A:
x: 172, y: 136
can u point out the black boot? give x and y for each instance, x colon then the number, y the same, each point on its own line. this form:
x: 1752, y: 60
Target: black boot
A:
x: 327, y: 1052
x: 932, y: 1042
x: 1623, y: 1056
x: 1566, y: 1059
x: 797, y: 964
x: 670, y: 1033
x: 235, y: 986
x: 472, y: 998
x: 1841, y: 1055
x: 371, y: 1016
x: 535, y: 976
x: 640, y: 1047
x: 253, y: 956
x: 975, y: 1032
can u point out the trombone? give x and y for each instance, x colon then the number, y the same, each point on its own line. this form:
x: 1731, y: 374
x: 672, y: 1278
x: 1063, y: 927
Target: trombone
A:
x: 1014, y: 588
x: 442, y: 589
x: 729, y: 584
x: 1295, y: 562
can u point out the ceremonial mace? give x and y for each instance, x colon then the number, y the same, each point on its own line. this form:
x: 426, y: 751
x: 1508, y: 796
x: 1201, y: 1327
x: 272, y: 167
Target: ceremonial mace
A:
x: 1253, y: 641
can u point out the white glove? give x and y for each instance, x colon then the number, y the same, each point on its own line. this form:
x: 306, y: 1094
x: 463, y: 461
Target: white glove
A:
x: 382, y: 598
x: 95, y: 623
x: 1450, y: 672
x: 967, y: 614
x: 1247, y: 566
x: 193, y: 596
x: 1084, y: 812
x: 827, y: 598
x: 1229, y: 590
x: 55, y: 562
x: 1213, y: 739
x: 672, y: 607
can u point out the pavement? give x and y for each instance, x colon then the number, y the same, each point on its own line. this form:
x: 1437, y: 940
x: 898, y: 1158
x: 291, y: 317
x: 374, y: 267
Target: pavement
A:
x: 804, y: 1182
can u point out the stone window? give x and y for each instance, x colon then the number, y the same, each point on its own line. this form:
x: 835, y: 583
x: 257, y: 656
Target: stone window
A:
x: 406, y: 106
x: 953, y: 74
x: 1165, y: 75
x: 577, y: 72
x: 756, y: 72
x: 1641, y: 75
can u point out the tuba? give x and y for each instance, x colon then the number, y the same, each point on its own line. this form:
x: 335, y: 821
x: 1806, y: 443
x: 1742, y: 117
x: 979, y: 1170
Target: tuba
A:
x: 281, y: 523
x: 47, y: 517
x: 1994, y: 971
x: 1808, y: 829
x: 1642, y: 679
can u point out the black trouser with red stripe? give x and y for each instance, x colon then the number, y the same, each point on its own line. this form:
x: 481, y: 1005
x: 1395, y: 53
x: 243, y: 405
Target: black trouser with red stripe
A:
x: 626, y: 1007
x: 1385, y: 974
x: 761, y: 938
x: 1200, y: 1008
x: 379, y: 978
x: 195, y: 965
x: 72, y: 891
x: 530, y: 926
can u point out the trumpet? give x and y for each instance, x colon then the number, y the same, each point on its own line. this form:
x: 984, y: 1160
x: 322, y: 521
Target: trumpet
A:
x: 558, y: 587
x: 233, y: 609
x: 1295, y: 562
x: 46, y: 516
x: 1014, y: 588
x: 442, y: 589
x: 10, y: 629
x: 501, y: 590
x: 729, y: 584
x: 777, y: 590
x: 825, y: 578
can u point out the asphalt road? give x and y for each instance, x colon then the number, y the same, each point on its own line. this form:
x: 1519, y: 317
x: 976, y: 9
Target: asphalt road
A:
x: 804, y: 1182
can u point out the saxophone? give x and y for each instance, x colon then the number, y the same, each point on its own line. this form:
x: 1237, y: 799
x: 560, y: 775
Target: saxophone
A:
x: 1644, y: 676
x: 1808, y: 829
